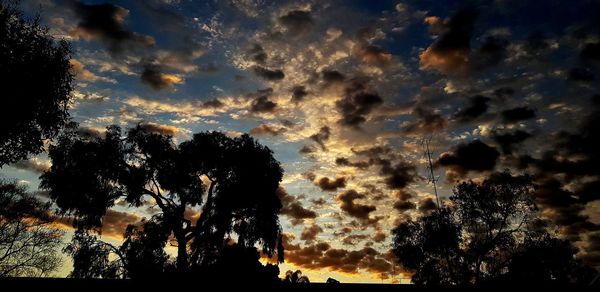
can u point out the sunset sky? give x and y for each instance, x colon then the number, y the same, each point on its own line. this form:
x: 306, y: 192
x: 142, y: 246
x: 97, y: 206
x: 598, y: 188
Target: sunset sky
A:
x: 344, y: 92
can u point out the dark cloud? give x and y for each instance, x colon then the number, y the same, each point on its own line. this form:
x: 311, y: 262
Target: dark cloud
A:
x: 591, y: 51
x: 257, y: 54
x: 321, y: 137
x: 330, y: 185
x: 293, y: 208
x: 503, y: 92
x: 155, y: 76
x: 114, y: 223
x: 297, y: 22
x: 473, y: 156
x: 400, y: 175
x: 374, y: 55
x: 264, y: 129
x: 305, y: 149
x: 509, y: 139
x: 427, y: 122
x: 353, y: 209
x: 403, y: 203
x: 332, y: 77
x: 322, y: 256
x: 309, y: 234
x: 106, y: 23
x: 426, y: 205
x: 358, y: 164
x: 261, y: 102
x: 358, y: 102
x: 492, y: 51
x: 90, y: 132
x: 477, y: 106
x: 518, y: 114
x: 213, y: 103
x: 319, y: 202
x: 298, y: 93
x: 582, y: 74
x: 159, y: 129
x: 588, y: 192
x: 379, y: 237
x: 268, y: 74
x: 450, y: 52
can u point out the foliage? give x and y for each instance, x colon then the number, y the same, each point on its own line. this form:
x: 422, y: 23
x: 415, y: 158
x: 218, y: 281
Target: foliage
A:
x: 232, y: 182
x: 36, y: 79
x: 490, y: 231
x: 28, y: 242
x: 296, y: 277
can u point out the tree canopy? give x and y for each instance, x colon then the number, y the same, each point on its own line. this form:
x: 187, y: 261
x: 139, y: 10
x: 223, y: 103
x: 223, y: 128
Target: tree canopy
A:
x: 489, y: 232
x: 29, y: 244
x: 231, y: 182
x: 36, y: 85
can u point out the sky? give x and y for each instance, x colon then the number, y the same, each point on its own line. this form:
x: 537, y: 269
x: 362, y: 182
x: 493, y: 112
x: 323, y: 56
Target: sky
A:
x: 345, y: 93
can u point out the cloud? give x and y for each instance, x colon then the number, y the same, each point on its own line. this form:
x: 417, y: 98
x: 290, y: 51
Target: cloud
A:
x: 33, y: 164
x: 330, y: 185
x: 82, y: 73
x: 427, y: 122
x: 508, y: 140
x: 322, y: 256
x: 106, y: 23
x: 375, y: 55
x: 268, y: 74
x: 518, y: 114
x: 309, y: 234
x: 114, y: 223
x: 293, y: 208
x: 477, y: 106
x: 321, y: 137
x: 263, y: 105
x: 403, y: 203
x: 257, y: 54
x: 264, y: 129
x: 472, y: 156
x: 261, y: 102
x: 296, y: 22
x: 581, y: 74
x: 450, y: 52
x: 399, y: 175
x: 305, y: 149
x: 332, y: 76
x: 298, y: 93
x: 359, y: 100
x: 426, y: 205
x: 154, y: 76
x: 160, y: 129
x: 342, y: 161
x: 353, y: 209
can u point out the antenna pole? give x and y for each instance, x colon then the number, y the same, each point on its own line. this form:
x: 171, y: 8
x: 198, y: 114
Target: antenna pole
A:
x: 431, y: 175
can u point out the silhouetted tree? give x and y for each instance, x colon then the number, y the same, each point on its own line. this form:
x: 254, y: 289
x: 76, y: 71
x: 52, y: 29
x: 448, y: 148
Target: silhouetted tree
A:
x: 91, y: 257
x: 29, y: 245
x: 36, y: 85
x: 296, y: 277
x: 490, y: 231
x: 232, y: 182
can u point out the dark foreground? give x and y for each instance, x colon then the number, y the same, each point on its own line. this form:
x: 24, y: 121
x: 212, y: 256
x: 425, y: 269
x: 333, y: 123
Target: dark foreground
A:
x: 230, y: 284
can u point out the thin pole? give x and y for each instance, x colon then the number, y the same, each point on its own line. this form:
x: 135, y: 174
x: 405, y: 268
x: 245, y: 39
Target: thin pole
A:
x: 432, y: 178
